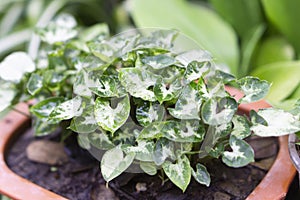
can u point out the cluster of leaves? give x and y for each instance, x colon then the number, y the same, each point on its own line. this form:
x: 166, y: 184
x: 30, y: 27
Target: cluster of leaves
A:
x: 147, y: 106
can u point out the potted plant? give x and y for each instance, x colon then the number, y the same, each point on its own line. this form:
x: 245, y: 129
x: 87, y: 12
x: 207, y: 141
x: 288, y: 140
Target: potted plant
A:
x: 138, y: 102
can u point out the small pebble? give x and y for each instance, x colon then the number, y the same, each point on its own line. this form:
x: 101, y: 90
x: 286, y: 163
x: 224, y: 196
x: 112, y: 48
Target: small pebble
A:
x: 141, y: 187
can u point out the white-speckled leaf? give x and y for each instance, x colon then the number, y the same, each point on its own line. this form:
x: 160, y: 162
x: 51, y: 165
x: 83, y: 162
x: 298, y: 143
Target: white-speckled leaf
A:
x: 241, y: 127
x: 152, y: 131
x: 114, y: 163
x: 253, y: 88
x: 167, y: 91
x: 137, y: 81
x: 159, y: 61
x: 43, y: 108
x: 34, y: 84
x: 218, y: 111
x: 201, y: 175
x: 67, y: 109
x: 110, y: 118
x: 241, y: 155
x: 188, y: 104
x: 143, y: 151
x: 163, y: 149
x: 149, y: 112
x: 80, y: 86
x: 195, y: 70
x: 103, y: 86
x: 179, y: 173
x: 100, y: 140
x: 279, y: 122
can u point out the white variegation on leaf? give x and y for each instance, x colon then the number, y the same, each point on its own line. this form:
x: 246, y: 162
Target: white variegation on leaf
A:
x: 137, y: 81
x: 34, y: 84
x: 143, y: 151
x: 83, y: 141
x: 15, y: 65
x: 80, y: 86
x: 193, y: 55
x: 43, y: 108
x: 103, y: 86
x: 218, y: 110
x: 179, y: 173
x: 110, y: 118
x: 211, y: 90
x: 167, y: 91
x: 99, y: 139
x: 188, y: 104
x: 42, y: 127
x: 253, y: 89
x: 241, y: 155
x: 114, y: 163
x: 279, y: 122
x: 148, y: 168
x: 241, y: 127
x: 159, y: 61
x: 149, y: 112
x: 152, y: 131
x: 163, y: 149
x: 67, y: 110
x: 201, y: 175
x: 195, y: 70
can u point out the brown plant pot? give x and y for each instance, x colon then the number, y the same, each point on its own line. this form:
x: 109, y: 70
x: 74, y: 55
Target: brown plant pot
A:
x: 274, y: 185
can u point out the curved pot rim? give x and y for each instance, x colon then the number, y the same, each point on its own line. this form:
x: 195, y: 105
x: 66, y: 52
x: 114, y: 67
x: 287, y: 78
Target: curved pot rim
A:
x: 273, y: 186
x: 293, y: 151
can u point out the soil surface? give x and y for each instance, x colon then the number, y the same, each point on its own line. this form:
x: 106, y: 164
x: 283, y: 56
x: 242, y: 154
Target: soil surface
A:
x: 80, y: 177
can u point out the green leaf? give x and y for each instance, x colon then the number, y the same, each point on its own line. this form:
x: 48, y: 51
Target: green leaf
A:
x: 179, y: 173
x: 159, y: 61
x: 279, y: 122
x: 241, y: 155
x: 148, y: 112
x: 103, y: 86
x: 199, y: 56
x: 218, y: 111
x: 195, y: 70
x: 100, y: 140
x: 163, y: 149
x: 241, y: 127
x: 143, y: 151
x: 167, y: 91
x: 114, y: 163
x: 86, y: 122
x: 152, y: 131
x: 43, y: 108
x: 148, y: 168
x: 188, y: 104
x: 137, y: 81
x: 215, y: 35
x: 34, y: 84
x: 284, y: 15
x: 253, y: 88
x: 67, y: 109
x: 110, y: 118
x: 83, y: 141
x: 15, y: 65
x: 284, y: 77
x: 201, y: 175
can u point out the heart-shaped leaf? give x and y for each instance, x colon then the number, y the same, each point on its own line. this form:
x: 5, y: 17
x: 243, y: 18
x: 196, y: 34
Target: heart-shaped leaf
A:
x: 46, y: 106
x: 148, y: 168
x: 195, y: 70
x: 143, y: 151
x: 159, y: 61
x: 163, y: 149
x: 149, y: 112
x: 100, y: 140
x: 167, y: 91
x: 201, y: 174
x: 241, y: 127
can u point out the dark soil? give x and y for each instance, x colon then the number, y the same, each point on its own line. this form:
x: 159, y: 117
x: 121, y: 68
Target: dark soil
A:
x: 80, y: 178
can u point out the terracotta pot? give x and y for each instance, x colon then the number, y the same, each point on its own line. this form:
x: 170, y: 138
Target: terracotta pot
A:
x: 274, y: 185
x: 293, y: 152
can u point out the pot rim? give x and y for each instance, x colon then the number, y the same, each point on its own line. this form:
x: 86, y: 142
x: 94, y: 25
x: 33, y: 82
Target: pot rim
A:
x: 293, y: 151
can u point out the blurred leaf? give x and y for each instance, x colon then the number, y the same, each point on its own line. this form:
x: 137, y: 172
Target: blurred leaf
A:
x: 273, y: 49
x: 284, y: 77
x: 285, y: 16
x: 197, y: 22
x: 201, y: 175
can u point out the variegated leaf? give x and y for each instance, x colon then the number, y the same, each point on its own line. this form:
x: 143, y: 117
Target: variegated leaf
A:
x: 167, y: 91
x: 163, y: 149
x: 195, y: 70
x: 241, y: 155
x: 34, y: 84
x: 253, y: 88
x: 193, y: 55
x: 188, y: 104
x: 67, y: 109
x: 43, y: 108
x: 218, y: 110
x: 201, y: 174
x: 241, y: 127
x: 149, y: 112
x: 80, y: 86
x: 143, y: 151
x: 100, y: 140
x: 179, y: 173
x: 148, y: 168
x: 137, y: 81
x: 159, y: 61
x: 152, y: 131
x: 110, y: 118
x: 103, y: 86
x: 278, y: 123
x: 86, y: 122
x: 114, y: 163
